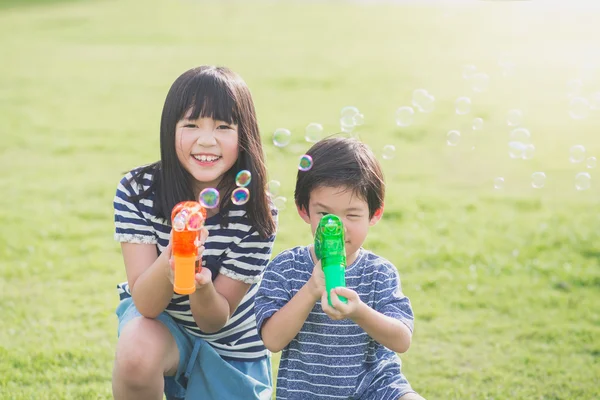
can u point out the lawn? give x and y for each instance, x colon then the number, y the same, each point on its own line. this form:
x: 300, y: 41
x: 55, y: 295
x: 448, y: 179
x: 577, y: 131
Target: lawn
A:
x: 505, y: 283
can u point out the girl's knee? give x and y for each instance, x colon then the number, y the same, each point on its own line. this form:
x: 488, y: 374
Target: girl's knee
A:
x: 144, y: 351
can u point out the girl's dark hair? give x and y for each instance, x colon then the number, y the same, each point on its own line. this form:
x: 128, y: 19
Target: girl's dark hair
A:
x: 342, y: 162
x: 221, y: 94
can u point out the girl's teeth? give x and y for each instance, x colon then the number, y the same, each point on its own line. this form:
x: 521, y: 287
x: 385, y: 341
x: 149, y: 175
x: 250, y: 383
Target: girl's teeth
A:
x: 206, y: 158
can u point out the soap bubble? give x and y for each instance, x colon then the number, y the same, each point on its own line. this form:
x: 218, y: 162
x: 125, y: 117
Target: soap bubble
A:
x: 388, y: 151
x: 243, y: 178
x: 404, y: 116
x: 313, y: 132
x: 306, y: 163
x: 281, y: 137
x: 240, y: 196
x: 209, y: 198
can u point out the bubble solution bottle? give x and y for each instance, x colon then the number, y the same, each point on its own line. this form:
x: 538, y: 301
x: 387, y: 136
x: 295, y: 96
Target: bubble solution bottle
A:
x: 187, y: 218
x: 330, y: 249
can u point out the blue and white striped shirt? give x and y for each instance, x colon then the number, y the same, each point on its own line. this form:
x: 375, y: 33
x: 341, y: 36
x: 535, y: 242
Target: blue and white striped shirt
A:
x: 236, y: 251
x: 334, y: 359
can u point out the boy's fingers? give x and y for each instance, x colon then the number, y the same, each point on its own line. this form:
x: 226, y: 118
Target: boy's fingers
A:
x: 345, y: 292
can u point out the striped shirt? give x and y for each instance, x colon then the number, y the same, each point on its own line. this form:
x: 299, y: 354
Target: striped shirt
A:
x: 334, y: 359
x: 236, y: 251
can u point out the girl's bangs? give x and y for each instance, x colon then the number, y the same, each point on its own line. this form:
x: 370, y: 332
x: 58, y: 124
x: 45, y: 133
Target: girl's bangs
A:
x: 212, y: 98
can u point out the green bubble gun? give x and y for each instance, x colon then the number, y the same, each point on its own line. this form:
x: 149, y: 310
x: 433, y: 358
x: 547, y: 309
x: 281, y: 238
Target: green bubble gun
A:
x: 330, y: 249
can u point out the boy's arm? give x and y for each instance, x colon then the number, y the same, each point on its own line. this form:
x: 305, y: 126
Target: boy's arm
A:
x: 280, y: 318
x: 389, y: 322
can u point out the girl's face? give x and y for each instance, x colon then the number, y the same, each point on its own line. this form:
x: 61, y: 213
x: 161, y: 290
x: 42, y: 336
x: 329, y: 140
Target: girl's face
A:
x: 207, y: 149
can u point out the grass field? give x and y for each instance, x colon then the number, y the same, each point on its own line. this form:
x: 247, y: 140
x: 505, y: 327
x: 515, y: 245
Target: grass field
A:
x: 505, y: 284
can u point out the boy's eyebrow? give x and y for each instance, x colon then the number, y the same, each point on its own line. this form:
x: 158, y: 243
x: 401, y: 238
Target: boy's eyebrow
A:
x: 347, y: 209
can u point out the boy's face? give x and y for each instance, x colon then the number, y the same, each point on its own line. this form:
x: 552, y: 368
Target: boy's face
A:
x: 353, y: 210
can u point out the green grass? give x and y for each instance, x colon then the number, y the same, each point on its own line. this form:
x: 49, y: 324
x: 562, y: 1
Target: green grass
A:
x: 505, y: 284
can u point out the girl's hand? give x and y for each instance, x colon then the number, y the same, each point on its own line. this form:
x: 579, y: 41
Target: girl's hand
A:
x: 200, y: 244
x: 341, y: 310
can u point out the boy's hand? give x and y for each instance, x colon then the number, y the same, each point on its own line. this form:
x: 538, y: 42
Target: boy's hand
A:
x: 316, y: 282
x: 341, y: 310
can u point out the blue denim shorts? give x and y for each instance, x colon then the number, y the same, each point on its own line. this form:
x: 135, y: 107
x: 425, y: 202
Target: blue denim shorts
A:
x: 202, y: 373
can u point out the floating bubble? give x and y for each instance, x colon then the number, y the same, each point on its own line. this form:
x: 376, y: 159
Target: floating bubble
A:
x: 281, y: 137
x: 477, y: 124
x: 306, y: 163
x: 516, y: 149
x: 349, y: 111
x: 209, y: 198
x: 583, y: 181
x: 463, y: 105
x: 538, y: 180
x: 452, y: 138
x: 347, y: 123
x: 480, y: 82
x: 280, y: 202
x: 577, y: 154
x: 179, y: 222
x: 579, y: 108
x: 389, y: 151
x: 499, y: 183
x: 591, y: 162
x: 358, y: 119
x: 423, y: 101
x: 520, y: 135
x: 528, y: 152
x: 273, y: 187
x: 313, y: 132
x: 468, y: 71
x: 514, y: 117
x: 240, y: 196
x: 404, y: 116
x: 243, y: 178
x: 195, y: 221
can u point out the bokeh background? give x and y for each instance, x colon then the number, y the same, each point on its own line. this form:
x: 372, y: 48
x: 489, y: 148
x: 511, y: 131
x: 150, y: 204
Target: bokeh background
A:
x: 503, y: 274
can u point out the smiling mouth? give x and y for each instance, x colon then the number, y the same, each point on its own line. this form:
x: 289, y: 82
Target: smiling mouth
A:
x: 206, y: 159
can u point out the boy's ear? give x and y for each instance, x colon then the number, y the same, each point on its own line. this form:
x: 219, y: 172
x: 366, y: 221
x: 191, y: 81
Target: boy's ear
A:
x: 303, y: 214
x: 376, y: 216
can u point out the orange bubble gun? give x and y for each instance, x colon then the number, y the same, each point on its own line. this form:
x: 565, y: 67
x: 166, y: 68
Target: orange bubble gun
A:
x: 187, y: 218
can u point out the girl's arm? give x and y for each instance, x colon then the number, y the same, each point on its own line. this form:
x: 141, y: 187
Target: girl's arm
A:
x: 213, y: 304
x: 147, y: 276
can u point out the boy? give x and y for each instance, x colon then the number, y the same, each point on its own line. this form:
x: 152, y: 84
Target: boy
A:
x: 347, y: 351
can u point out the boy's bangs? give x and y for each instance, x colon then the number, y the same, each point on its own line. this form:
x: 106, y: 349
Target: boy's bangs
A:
x: 212, y: 99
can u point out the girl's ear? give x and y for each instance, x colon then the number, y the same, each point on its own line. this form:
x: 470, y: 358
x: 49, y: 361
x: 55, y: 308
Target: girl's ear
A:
x: 376, y: 216
x: 303, y: 214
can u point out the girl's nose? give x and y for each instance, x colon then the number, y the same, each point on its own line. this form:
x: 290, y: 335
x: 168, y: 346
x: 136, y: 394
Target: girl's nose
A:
x: 206, y: 138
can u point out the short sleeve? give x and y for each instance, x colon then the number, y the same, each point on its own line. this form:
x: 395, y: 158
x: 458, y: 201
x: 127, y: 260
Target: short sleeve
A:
x: 131, y: 225
x: 389, y: 299
x: 274, y: 291
x: 246, y: 261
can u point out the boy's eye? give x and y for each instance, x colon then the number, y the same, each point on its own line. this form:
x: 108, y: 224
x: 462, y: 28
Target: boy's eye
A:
x: 354, y: 216
x: 322, y: 213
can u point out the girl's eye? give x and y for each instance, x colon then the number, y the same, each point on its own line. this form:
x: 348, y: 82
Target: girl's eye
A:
x: 189, y: 126
x: 224, y: 127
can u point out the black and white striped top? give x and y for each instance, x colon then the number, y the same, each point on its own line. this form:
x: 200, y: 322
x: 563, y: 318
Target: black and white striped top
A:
x: 236, y: 251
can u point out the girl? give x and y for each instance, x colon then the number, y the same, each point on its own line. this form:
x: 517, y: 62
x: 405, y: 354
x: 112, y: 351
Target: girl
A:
x: 204, y: 345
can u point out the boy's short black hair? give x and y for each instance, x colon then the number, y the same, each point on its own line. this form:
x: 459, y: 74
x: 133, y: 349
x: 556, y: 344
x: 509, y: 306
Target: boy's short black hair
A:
x: 342, y: 162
